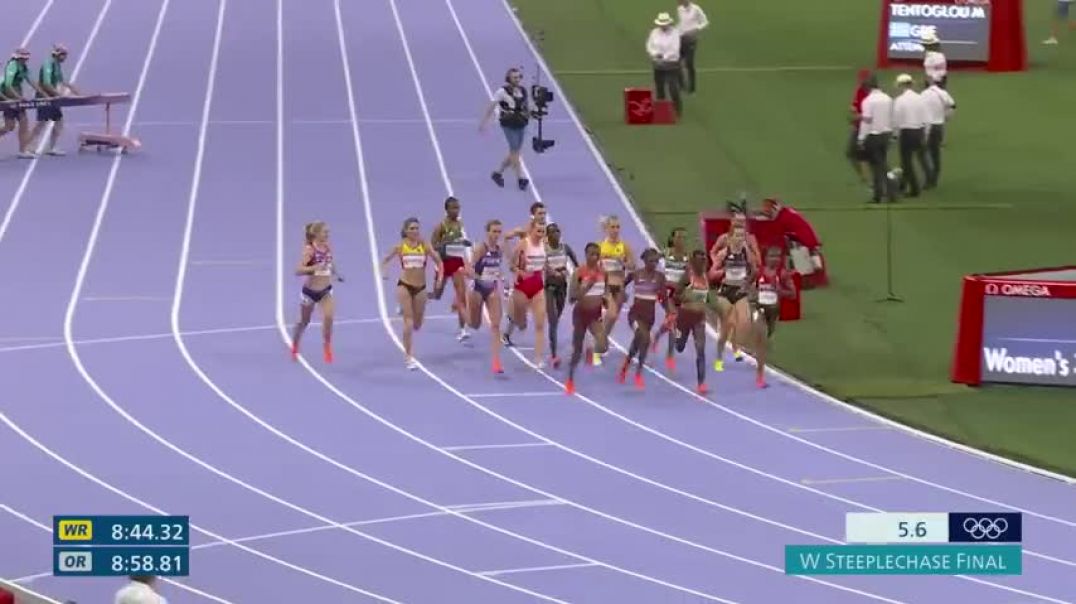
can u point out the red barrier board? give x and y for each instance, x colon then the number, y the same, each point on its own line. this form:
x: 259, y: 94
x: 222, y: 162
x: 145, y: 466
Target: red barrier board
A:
x: 1017, y: 327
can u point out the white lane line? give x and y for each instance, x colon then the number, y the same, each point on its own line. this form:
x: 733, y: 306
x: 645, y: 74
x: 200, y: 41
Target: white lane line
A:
x: 72, y: 305
x: 125, y: 299
x: 850, y: 480
x: 642, y: 229
x: 23, y: 590
x: 533, y: 569
x: 380, y: 297
x: 87, y: 46
x: 504, y: 505
x: 839, y: 429
x: 194, y: 332
x: 514, y: 394
x: 48, y: 529
x: 36, y: 24
x: 506, y: 446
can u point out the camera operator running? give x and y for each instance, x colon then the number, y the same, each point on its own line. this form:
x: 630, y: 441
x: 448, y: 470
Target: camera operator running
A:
x: 514, y: 113
x: 448, y: 239
x: 772, y: 284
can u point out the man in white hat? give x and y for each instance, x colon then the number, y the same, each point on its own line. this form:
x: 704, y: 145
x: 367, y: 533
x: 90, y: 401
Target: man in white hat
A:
x: 15, y: 73
x: 934, y: 63
x: 909, y: 120
x: 690, y: 21
x: 663, y: 46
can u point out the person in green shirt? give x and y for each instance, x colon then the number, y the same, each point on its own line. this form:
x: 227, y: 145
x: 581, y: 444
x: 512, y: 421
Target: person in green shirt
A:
x: 15, y: 73
x: 50, y: 80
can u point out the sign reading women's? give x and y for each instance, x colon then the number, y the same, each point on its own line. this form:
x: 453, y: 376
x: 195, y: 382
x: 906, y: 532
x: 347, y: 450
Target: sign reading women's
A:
x: 963, y: 28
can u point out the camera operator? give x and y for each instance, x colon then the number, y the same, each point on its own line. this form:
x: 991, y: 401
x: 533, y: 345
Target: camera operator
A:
x: 513, y: 112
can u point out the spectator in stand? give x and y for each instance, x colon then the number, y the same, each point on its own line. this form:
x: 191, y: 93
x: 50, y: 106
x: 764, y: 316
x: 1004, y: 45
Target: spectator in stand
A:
x: 854, y: 153
x: 663, y: 46
x: 934, y: 63
x: 939, y: 106
x: 141, y: 590
x: 1060, y: 18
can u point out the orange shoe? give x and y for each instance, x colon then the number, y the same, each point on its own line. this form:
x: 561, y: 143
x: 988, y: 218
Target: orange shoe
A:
x: 295, y: 352
x: 588, y: 355
x: 670, y: 363
x: 703, y: 389
x: 639, y: 383
x: 622, y: 375
x: 760, y: 381
x: 569, y: 387
x: 328, y: 353
x: 497, y: 366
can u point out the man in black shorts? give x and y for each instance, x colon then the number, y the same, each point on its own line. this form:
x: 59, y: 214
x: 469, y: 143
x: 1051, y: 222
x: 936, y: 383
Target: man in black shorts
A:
x: 50, y: 79
x: 15, y: 73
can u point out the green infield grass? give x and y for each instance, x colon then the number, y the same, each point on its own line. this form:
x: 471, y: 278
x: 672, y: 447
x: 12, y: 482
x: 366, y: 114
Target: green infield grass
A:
x: 769, y: 118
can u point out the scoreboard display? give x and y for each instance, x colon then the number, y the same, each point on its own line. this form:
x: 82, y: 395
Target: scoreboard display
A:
x: 113, y: 546
x: 964, y: 30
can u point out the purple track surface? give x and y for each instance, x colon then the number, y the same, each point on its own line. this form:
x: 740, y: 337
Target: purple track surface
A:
x: 145, y: 370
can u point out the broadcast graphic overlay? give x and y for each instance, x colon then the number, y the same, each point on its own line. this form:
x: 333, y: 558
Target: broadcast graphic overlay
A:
x: 1017, y: 328
x: 112, y: 546
x: 917, y: 544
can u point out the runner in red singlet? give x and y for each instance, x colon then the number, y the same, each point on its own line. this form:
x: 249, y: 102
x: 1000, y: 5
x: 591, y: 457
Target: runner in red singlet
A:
x: 772, y: 284
x: 648, y: 287
x: 528, y: 294
x: 586, y: 290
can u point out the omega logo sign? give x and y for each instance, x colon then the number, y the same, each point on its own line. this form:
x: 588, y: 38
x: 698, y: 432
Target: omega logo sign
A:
x: 1013, y: 289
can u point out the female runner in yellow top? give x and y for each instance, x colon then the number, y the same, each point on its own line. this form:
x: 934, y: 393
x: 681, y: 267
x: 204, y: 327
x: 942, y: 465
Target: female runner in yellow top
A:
x: 414, y: 254
x: 617, y: 260
x: 318, y: 267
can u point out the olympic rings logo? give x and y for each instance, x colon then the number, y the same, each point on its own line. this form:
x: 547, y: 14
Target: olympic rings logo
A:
x: 985, y: 528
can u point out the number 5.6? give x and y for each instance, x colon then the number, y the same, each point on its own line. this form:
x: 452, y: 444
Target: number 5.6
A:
x: 918, y: 531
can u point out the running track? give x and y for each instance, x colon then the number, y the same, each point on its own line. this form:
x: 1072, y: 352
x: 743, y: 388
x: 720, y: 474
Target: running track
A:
x: 145, y: 370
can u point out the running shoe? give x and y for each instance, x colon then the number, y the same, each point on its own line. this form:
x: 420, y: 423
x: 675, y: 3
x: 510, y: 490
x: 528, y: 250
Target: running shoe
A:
x: 523, y: 182
x: 295, y: 352
x: 703, y: 389
x: 670, y: 363
x: 738, y: 355
x: 569, y: 387
x: 26, y: 155
x: 761, y: 382
x: 622, y: 375
x: 719, y: 365
x: 507, y: 340
x: 411, y: 364
x: 596, y: 359
x: 463, y: 335
x: 328, y: 353
x: 1051, y: 41
x: 498, y: 178
x: 56, y: 152
x: 555, y: 361
x: 497, y: 368
x: 639, y: 383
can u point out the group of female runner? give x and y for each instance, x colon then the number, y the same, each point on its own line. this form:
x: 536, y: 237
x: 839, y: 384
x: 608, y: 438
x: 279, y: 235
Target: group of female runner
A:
x: 732, y: 285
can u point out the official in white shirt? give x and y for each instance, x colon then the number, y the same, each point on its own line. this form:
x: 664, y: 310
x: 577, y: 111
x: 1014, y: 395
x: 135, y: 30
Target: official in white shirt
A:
x: 875, y: 129
x: 141, y: 590
x: 1061, y: 16
x: 910, y: 121
x: 939, y: 107
x: 934, y: 63
x: 663, y: 46
x: 690, y: 21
